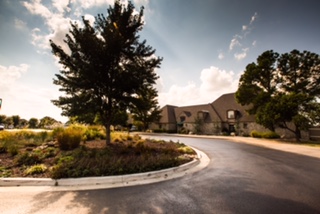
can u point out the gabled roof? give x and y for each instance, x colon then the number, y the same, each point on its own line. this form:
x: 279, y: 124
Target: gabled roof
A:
x: 228, y: 102
x: 213, y: 112
x: 191, y: 112
x: 168, y: 114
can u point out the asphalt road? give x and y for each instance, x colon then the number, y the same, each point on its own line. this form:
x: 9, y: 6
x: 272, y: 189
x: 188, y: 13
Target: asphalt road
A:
x: 240, y: 178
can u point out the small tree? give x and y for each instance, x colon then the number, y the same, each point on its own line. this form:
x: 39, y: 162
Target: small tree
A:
x: 16, y: 120
x: 198, y: 125
x: 106, y: 65
x: 146, y: 108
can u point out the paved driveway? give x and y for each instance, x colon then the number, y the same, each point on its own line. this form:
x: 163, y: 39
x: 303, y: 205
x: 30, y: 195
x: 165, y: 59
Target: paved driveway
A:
x: 241, y: 178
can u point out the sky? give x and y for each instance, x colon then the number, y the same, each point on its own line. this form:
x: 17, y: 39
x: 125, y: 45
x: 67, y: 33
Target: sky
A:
x: 205, y: 45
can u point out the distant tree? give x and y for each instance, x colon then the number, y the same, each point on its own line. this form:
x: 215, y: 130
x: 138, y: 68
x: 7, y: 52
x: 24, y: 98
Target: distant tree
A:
x: 283, y: 89
x: 2, y: 118
x: 16, y: 120
x: 33, y: 123
x: 46, y: 122
x: 105, y: 65
x: 146, y: 109
x: 9, y: 121
x: 23, y: 123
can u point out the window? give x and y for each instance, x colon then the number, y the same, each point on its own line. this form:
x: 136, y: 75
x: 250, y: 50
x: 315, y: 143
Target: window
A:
x: 245, y: 125
x: 182, y: 118
x: 231, y: 114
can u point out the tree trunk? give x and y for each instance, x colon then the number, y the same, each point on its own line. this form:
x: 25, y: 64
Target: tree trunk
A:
x: 298, y: 134
x: 108, y: 133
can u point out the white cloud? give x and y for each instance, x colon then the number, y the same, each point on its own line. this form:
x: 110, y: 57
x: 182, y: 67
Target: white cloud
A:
x: 90, y: 18
x: 239, y: 39
x: 179, y: 95
x: 16, y: 96
x: 254, y: 43
x: 36, y: 8
x: 214, y: 79
x: 19, y: 24
x: 244, y: 27
x: 253, y: 18
x: 242, y: 55
x: 93, y: 3
x: 221, y: 56
x: 9, y: 75
x: 62, y: 5
x: 235, y: 42
x: 214, y: 83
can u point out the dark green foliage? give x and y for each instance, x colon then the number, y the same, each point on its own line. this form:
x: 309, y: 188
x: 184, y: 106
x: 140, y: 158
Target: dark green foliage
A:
x: 107, y: 66
x: 282, y: 89
x: 198, y: 125
x: 28, y: 158
x: 146, y: 108
x: 33, y: 123
x: 16, y: 120
x: 94, y: 133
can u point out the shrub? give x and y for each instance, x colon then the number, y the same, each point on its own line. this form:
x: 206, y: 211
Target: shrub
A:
x: 35, y: 169
x: 267, y: 135
x: 13, y: 150
x: 28, y: 159
x: 256, y: 134
x: 56, y: 132
x: 4, y: 172
x: 69, y: 139
x: 94, y: 133
x: 270, y: 135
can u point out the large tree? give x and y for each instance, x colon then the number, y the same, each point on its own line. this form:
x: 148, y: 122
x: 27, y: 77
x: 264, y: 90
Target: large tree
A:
x: 106, y: 65
x: 282, y: 90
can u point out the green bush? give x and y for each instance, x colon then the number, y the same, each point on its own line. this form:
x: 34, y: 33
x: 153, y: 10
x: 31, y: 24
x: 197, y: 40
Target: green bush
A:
x: 267, y: 135
x: 57, y: 131
x: 35, y: 169
x: 28, y: 159
x: 69, y: 138
x: 270, y: 135
x: 94, y: 133
x: 256, y: 134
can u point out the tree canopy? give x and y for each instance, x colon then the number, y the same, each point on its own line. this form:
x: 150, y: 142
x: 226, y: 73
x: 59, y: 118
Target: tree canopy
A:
x: 282, y: 89
x: 146, y: 109
x: 106, y: 65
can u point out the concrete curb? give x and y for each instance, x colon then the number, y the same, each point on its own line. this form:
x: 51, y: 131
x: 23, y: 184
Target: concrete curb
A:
x: 200, y: 162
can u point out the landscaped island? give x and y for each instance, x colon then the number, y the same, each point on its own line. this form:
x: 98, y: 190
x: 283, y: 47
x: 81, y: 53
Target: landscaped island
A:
x: 81, y: 151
